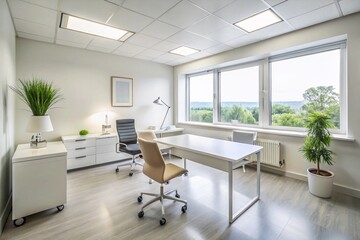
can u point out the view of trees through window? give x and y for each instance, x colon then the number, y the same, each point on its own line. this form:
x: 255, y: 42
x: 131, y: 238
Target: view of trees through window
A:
x: 299, y: 85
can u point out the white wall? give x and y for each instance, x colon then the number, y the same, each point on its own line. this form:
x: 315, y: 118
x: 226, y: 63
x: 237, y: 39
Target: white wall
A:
x: 347, y: 160
x: 84, y: 79
x: 7, y: 76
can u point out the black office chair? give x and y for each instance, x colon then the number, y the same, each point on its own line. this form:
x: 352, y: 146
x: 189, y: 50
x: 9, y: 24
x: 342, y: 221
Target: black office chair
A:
x: 127, y: 142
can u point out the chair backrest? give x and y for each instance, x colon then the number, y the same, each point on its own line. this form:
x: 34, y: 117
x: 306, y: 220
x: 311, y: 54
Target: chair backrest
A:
x: 244, y: 137
x: 126, y: 131
x: 154, y: 166
x: 146, y: 134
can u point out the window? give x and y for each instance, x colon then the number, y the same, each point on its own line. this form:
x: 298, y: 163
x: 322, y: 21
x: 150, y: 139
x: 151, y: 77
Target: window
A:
x: 200, y: 92
x: 277, y: 92
x: 305, y: 84
x: 239, y: 95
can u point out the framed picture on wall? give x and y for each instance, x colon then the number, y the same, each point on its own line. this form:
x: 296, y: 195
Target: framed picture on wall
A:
x: 121, y: 92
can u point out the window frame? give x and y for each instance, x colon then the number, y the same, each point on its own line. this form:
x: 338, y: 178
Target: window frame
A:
x: 265, y: 84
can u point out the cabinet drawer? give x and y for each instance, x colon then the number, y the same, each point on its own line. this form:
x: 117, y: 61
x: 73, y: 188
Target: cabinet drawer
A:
x: 81, y: 161
x: 81, y: 151
x: 79, y: 143
x: 106, y: 141
x: 110, y: 156
x: 106, y: 148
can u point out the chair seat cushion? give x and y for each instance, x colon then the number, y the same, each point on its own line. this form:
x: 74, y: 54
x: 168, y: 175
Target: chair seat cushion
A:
x: 131, y: 149
x: 172, y: 171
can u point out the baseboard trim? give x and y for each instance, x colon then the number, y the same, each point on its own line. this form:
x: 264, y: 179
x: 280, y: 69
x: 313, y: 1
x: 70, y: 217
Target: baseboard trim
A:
x: 5, y: 214
x: 337, y: 187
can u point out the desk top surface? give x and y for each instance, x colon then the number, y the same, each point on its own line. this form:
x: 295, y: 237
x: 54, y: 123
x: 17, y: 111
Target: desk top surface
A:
x: 222, y: 149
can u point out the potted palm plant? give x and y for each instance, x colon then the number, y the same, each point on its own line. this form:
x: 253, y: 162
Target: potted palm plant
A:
x: 316, y: 150
x: 39, y: 96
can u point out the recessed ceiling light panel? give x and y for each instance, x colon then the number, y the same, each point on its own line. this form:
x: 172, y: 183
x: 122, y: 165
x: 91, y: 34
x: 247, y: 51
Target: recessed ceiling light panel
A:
x: 184, y: 51
x: 259, y: 21
x: 93, y: 28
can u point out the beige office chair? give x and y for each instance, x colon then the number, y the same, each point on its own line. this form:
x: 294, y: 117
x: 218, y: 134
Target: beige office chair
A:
x: 244, y: 137
x: 150, y: 135
x: 161, y: 172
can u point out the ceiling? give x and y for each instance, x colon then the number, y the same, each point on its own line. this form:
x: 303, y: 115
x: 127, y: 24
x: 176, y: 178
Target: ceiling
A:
x: 163, y: 25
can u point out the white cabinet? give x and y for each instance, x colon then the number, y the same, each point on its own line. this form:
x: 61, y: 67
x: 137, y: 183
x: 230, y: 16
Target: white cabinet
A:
x: 39, y: 179
x: 91, y: 149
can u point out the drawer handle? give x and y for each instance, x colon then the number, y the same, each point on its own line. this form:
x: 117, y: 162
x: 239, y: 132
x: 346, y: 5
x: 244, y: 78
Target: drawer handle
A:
x: 80, y: 148
x: 80, y: 157
x: 80, y: 140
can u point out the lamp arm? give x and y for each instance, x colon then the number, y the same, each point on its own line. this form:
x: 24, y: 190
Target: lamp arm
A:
x: 165, y: 104
x: 167, y: 111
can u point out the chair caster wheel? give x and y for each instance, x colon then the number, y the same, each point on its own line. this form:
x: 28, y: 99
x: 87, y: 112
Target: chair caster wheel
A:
x: 184, y: 208
x: 60, y: 208
x: 130, y: 174
x: 117, y: 170
x: 185, y: 174
x: 162, y: 221
x: 177, y: 195
x: 19, y: 222
x: 141, y: 214
x: 139, y: 199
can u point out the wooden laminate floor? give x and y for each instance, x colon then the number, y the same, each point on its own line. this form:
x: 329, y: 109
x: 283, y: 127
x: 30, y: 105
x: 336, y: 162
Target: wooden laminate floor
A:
x: 103, y: 205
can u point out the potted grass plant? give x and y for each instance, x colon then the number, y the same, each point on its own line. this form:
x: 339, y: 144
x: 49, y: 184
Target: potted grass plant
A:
x: 39, y: 96
x: 316, y: 150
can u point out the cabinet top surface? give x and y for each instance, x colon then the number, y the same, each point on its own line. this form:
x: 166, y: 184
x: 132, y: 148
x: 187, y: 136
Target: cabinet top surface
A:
x: 88, y: 136
x: 25, y: 153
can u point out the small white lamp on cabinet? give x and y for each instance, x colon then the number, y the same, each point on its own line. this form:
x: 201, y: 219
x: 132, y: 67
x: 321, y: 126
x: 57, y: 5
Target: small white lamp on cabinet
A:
x: 37, y: 125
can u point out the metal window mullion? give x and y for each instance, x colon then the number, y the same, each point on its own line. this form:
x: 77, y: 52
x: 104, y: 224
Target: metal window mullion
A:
x: 216, y: 96
x: 343, y: 90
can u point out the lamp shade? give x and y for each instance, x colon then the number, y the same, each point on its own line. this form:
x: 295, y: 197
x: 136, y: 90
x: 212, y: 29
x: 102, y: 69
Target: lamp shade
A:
x: 39, y: 124
x: 158, y: 101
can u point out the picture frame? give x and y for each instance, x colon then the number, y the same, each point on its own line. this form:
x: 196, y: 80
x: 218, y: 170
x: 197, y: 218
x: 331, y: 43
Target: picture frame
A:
x: 121, y: 91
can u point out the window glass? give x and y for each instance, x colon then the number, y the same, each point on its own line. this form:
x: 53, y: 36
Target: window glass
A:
x: 239, y: 95
x: 201, y: 98
x: 305, y: 84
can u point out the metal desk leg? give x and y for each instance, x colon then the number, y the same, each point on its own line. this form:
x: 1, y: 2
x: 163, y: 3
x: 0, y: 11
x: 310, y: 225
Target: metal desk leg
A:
x: 232, y: 217
x: 230, y: 183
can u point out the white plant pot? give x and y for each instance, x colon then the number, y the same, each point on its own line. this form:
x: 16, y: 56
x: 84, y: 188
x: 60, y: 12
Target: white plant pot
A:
x: 320, y: 186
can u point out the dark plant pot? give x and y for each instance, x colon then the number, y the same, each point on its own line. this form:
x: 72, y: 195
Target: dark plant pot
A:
x: 319, y: 185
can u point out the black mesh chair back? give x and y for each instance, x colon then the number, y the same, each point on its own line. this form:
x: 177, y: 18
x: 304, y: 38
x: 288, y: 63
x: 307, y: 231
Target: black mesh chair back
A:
x: 126, y: 131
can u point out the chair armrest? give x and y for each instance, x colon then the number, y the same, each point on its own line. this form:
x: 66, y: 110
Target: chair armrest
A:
x: 118, y: 145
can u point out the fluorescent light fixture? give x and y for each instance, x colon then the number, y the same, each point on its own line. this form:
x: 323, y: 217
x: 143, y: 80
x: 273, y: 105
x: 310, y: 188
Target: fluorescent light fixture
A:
x: 259, y: 21
x: 90, y: 27
x: 184, y: 51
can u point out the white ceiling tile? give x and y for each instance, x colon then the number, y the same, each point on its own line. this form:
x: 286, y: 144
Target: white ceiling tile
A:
x: 32, y: 13
x: 52, y: 4
x: 115, y: 2
x: 199, y: 55
x: 201, y: 43
x: 320, y: 15
x: 160, y: 30
x: 241, y: 9
x: 143, y: 40
x: 73, y: 36
x: 207, y: 25
x: 99, y: 49
x: 34, y: 28
x: 183, y: 14
x: 71, y: 44
x: 225, y: 34
x: 183, y: 37
x: 129, y: 20
x: 243, y: 40
x: 166, y: 46
x: 149, y: 53
x: 211, y: 6
x: 151, y: 8
x: 128, y: 49
x: 35, y: 37
x: 167, y: 57
x: 95, y: 10
x: 349, y: 6
x: 293, y: 8
x: 272, y: 30
x: 104, y: 43
x: 275, y: 2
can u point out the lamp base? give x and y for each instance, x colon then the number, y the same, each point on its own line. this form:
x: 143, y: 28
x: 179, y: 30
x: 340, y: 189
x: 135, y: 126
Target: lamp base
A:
x: 40, y: 144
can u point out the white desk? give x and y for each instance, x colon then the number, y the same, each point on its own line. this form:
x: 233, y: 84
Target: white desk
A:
x: 219, y: 154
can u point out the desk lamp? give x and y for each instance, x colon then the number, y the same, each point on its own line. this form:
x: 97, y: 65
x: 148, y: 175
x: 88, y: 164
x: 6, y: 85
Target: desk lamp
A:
x: 37, y: 125
x: 161, y: 102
